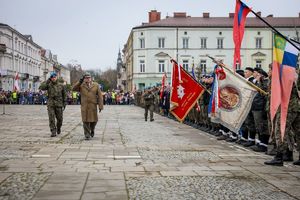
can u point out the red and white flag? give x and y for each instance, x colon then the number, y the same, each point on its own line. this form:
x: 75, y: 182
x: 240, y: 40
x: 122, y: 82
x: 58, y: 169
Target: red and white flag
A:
x: 185, y: 92
x: 163, y: 83
x: 16, y: 84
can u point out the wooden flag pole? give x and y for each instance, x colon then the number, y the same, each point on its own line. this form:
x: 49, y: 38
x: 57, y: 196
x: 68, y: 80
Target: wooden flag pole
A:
x: 219, y: 63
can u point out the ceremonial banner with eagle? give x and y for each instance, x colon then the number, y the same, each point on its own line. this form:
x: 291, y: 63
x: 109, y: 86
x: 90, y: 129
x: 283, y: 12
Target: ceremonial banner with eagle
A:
x: 185, y: 92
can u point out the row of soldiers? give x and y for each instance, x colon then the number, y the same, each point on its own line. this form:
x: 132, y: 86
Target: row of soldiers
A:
x: 256, y: 132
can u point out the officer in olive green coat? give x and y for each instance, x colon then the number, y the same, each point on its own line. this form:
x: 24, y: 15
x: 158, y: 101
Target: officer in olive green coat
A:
x: 56, y: 102
x: 91, y: 96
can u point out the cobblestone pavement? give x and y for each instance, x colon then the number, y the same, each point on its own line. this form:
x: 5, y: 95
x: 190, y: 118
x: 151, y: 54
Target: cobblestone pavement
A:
x: 130, y: 159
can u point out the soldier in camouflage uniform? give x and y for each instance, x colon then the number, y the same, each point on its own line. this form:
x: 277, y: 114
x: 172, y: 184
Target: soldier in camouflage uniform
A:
x: 56, y: 104
x: 204, y: 101
x: 148, y: 97
x: 292, y: 130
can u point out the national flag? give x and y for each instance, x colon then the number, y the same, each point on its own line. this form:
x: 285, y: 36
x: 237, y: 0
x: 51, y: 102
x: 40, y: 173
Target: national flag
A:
x: 214, y: 102
x: 163, y: 83
x: 241, y: 12
x: 285, y: 57
x: 185, y: 92
x: 16, y: 84
x: 235, y: 97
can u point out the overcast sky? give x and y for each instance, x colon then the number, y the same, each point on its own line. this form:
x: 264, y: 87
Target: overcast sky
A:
x: 90, y: 32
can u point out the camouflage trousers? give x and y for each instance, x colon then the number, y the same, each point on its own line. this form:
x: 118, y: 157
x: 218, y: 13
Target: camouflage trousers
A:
x: 204, y: 115
x: 55, y: 113
x: 88, y: 127
x: 151, y: 109
x: 292, y: 132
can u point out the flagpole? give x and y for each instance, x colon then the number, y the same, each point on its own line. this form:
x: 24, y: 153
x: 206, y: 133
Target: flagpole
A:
x: 172, y: 60
x: 274, y: 29
x: 248, y: 82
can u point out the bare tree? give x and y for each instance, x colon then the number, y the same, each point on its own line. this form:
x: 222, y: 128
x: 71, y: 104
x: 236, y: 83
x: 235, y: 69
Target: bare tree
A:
x: 110, y: 76
x: 75, y: 73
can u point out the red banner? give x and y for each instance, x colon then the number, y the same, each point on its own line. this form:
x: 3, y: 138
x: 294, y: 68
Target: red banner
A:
x: 185, y: 92
x: 163, y: 83
x: 241, y: 12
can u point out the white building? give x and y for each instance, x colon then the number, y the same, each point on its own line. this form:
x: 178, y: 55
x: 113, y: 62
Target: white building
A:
x: 19, y: 54
x: 65, y: 73
x: 188, y: 40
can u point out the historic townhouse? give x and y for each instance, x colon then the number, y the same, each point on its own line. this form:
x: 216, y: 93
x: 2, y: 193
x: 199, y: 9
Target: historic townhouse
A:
x: 189, y: 39
x: 20, y: 54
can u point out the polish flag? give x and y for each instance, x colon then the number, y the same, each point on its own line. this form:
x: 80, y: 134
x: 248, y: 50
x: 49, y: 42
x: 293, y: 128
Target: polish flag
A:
x: 16, y: 85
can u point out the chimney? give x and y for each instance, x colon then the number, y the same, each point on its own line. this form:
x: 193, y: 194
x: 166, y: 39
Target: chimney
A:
x: 259, y: 13
x: 205, y: 15
x: 179, y: 14
x: 154, y: 16
x: 231, y: 15
x: 271, y: 15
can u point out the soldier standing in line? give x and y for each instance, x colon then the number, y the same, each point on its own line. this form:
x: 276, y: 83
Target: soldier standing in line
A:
x: 284, y: 149
x: 148, y: 97
x: 57, y: 99
x: 91, y: 95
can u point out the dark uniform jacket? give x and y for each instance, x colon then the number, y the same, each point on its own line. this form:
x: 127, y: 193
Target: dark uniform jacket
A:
x: 57, y: 95
x: 148, y: 98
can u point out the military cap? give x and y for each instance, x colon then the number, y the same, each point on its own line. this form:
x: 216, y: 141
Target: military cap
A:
x: 249, y: 69
x: 240, y: 72
x: 86, y: 74
x: 262, y: 72
x: 256, y: 69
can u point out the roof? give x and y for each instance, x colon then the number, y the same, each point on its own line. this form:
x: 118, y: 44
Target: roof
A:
x: 25, y: 37
x: 224, y: 22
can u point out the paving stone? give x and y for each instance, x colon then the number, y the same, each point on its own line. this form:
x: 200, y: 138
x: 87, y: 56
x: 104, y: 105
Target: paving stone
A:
x: 160, y: 160
x: 177, y: 173
x: 207, y: 187
x: 54, y: 195
x: 93, y: 196
x: 4, y: 176
x: 22, y: 185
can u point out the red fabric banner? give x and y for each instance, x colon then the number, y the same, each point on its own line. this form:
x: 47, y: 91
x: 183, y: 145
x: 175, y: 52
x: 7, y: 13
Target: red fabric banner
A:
x: 185, y: 92
x: 241, y: 12
x: 163, y: 83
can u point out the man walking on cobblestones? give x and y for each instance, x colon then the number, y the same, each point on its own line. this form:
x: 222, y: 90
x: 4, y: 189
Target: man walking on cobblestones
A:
x: 57, y: 98
x: 148, y: 97
x: 91, y: 95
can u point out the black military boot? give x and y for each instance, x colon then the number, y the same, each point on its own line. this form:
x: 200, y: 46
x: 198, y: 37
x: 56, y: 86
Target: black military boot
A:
x: 207, y: 128
x: 58, y: 131
x: 249, y: 143
x: 212, y: 130
x: 288, y: 156
x: 53, y: 133
x: 297, y: 162
x: 276, y: 161
x: 92, y: 133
